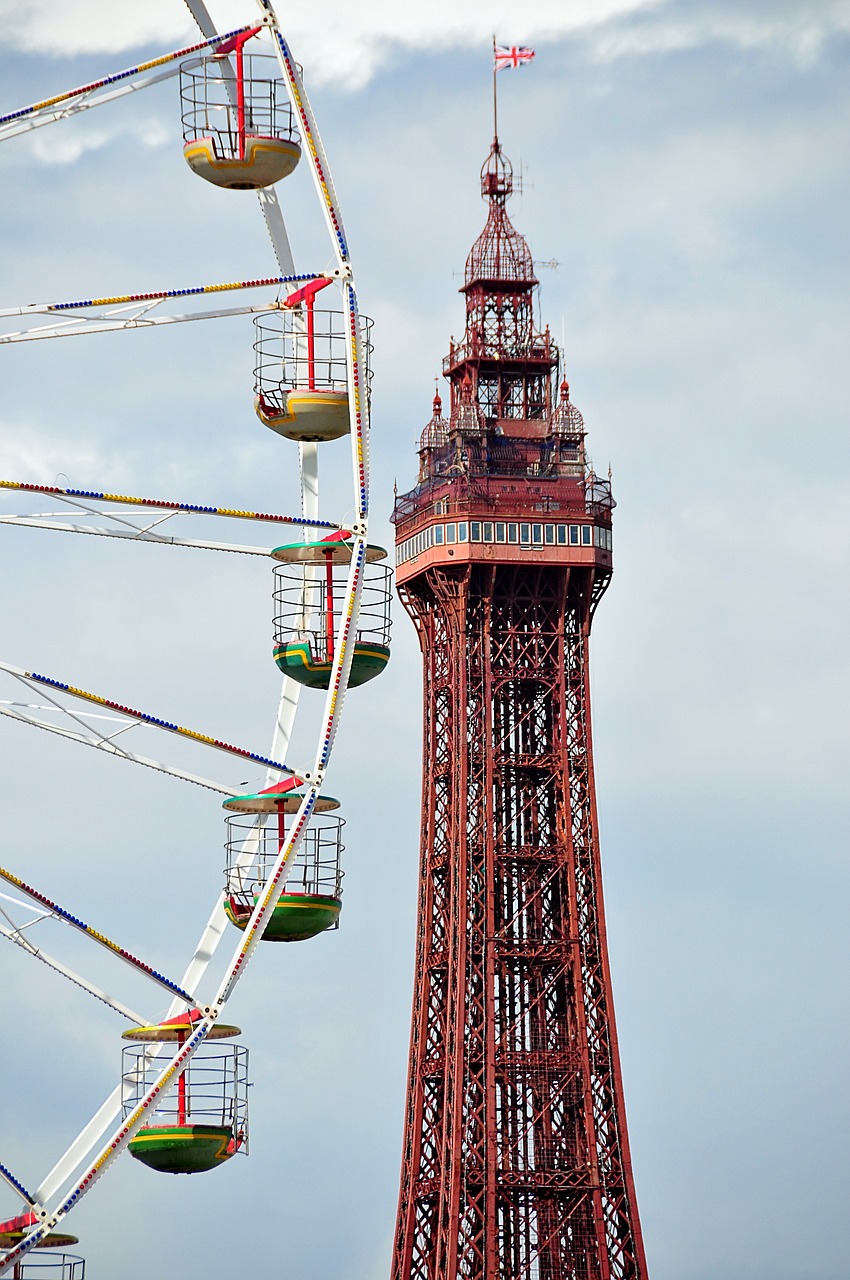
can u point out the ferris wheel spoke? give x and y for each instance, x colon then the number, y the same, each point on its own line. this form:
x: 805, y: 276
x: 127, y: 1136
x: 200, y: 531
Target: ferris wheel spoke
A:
x: 66, y: 104
x: 24, y: 714
x: 140, y: 535
x: 160, y: 295
x: 58, y: 689
x: 38, y: 953
x: 18, y: 1187
x: 73, y: 108
x: 276, y: 227
x: 58, y: 912
x: 82, y: 326
x: 81, y: 499
x: 133, y: 311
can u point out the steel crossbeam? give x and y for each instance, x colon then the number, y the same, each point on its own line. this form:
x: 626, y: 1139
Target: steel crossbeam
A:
x: 515, y: 1156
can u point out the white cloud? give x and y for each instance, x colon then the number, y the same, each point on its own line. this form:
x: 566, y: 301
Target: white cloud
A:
x: 55, y: 147
x: 29, y: 453
x: 341, y: 37
x: 800, y: 27
x: 93, y: 26
x: 346, y: 47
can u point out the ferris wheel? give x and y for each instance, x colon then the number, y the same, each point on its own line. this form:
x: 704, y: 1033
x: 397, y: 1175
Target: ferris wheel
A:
x: 180, y: 1100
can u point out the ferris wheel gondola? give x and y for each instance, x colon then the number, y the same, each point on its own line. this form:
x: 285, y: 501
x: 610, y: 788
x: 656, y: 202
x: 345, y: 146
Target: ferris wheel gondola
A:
x: 247, y: 123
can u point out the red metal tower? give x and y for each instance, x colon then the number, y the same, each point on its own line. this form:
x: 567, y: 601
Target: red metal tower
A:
x: 515, y: 1160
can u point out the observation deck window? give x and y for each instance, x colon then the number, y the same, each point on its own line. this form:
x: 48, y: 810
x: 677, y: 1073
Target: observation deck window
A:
x: 499, y: 532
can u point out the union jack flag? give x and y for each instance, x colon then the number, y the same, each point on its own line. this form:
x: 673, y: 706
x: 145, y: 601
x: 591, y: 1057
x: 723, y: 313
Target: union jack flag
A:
x: 515, y: 55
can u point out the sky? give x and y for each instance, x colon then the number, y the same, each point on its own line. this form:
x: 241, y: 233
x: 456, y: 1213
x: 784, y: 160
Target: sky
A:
x: 685, y: 164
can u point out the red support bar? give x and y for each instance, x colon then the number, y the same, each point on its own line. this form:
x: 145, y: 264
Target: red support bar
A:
x: 311, y: 344
x: 329, y: 605
x: 306, y: 291
x: 307, y: 295
x: 182, y: 1105
x: 240, y: 98
x: 236, y: 45
x: 181, y: 1098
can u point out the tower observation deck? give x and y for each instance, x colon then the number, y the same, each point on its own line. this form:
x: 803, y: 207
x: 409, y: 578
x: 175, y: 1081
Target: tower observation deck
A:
x: 515, y: 1161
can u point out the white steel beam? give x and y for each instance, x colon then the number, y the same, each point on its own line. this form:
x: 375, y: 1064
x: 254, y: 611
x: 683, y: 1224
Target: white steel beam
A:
x: 15, y: 935
x: 138, y: 535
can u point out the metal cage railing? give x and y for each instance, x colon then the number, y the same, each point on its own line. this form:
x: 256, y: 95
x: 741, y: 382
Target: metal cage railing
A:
x: 316, y: 869
x: 214, y: 1088
x: 308, y: 606
x: 211, y: 97
x: 47, y: 1265
x: 303, y: 349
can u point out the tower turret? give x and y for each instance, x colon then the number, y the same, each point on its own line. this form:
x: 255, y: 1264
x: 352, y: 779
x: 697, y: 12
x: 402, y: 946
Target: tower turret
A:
x: 507, y: 362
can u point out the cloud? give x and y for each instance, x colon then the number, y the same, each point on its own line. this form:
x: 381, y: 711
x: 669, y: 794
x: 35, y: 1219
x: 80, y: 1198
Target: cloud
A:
x: 795, y: 26
x: 342, y: 39
x: 346, y: 47
x: 68, y: 147
x: 93, y: 26
x: 29, y: 453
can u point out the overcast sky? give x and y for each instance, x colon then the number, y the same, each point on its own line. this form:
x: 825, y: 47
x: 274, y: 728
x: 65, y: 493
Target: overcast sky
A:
x: 686, y: 165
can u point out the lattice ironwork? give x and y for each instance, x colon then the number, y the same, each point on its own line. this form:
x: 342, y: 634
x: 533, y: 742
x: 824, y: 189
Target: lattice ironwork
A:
x: 515, y: 1159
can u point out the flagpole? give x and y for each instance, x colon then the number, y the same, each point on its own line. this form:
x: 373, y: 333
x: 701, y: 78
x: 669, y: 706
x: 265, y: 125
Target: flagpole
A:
x: 495, y: 117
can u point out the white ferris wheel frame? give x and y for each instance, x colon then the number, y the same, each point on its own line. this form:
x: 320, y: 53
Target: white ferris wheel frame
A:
x: 106, y: 1135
